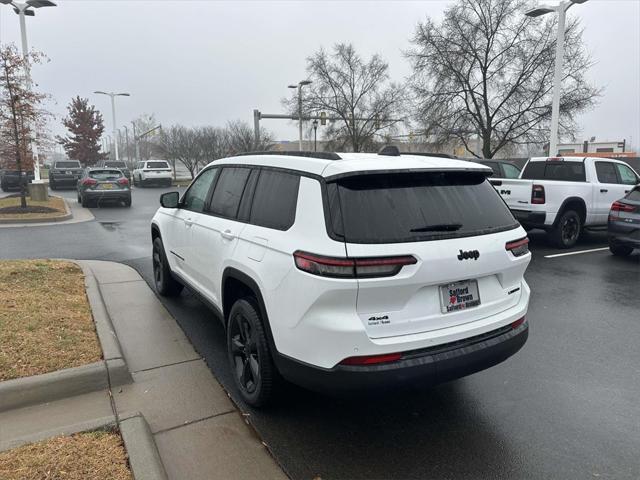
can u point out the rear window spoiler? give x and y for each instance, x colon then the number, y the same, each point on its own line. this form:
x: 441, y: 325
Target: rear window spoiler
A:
x: 486, y: 171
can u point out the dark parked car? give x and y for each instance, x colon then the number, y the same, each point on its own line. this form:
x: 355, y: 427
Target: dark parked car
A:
x: 10, y: 179
x: 120, y: 165
x: 102, y: 185
x: 501, y: 168
x: 64, y: 174
x: 624, y: 224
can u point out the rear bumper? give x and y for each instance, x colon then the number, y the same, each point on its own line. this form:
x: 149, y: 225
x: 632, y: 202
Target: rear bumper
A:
x: 624, y: 234
x: 64, y: 181
x: 530, y: 219
x: 107, y: 194
x: 424, y: 367
x: 12, y: 181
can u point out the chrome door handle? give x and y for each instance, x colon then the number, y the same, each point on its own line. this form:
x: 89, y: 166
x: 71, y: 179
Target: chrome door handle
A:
x: 228, y: 234
x: 188, y: 222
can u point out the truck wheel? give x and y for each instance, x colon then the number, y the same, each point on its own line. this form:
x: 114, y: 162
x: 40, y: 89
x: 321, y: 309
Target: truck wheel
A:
x: 567, y: 230
x: 620, y: 250
x: 249, y: 357
x: 85, y: 202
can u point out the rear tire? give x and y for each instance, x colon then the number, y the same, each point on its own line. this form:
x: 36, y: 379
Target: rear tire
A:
x: 567, y: 230
x: 79, y: 198
x: 248, y: 351
x: 620, y: 250
x: 166, y: 285
x: 52, y: 185
x: 127, y: 202
x: 85, y: 202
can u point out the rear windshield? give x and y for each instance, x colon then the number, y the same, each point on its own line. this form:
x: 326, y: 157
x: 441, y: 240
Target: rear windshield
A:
x: 413, y: 207
x: 115, y: 164
x: 555, y: 170
x: 67, y: 164
x: 105, y: 174
x: 634, y: 195
x: 157, y: 165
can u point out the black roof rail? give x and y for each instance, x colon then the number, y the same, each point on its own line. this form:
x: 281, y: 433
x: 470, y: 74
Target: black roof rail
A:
x: 427, y: 154
x: 291, y: 153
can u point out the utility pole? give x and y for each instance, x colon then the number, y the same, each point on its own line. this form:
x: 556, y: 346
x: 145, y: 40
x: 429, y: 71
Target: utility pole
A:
x: 299, y: 87
x: 126, y: 138
x: 135, y: 142
x: 113, y: 114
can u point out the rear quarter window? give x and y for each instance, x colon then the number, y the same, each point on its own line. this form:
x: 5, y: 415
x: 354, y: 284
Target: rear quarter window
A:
x: 275, y: 200
x: 412, y: 207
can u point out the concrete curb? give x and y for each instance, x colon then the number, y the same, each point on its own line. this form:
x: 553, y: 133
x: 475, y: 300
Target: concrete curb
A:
x: 67, y: 216
x: 112, y: 352
x: 144, y: 458
x: 110, y: 372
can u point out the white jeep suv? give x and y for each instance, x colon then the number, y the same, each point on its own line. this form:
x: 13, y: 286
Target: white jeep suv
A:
x: 152, y: 172
x: 343, y: 271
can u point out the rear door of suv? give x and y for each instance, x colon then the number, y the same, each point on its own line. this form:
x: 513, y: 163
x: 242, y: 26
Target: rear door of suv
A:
x: 457, y: 228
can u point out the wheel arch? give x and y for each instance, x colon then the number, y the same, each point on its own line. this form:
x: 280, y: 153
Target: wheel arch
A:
x: 237, y: 284
x: 572, y: 203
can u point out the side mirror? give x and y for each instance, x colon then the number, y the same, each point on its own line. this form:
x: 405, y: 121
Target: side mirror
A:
x: 170, y: 199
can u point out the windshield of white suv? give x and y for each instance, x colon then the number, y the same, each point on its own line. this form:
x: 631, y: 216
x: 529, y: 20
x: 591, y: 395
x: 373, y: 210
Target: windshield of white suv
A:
x: 411, y: 207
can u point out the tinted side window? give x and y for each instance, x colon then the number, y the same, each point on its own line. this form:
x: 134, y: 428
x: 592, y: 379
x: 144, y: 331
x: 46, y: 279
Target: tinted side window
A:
x: 534, y: 171
x: 228, y: 192
x: 634, y: 195
x: 606, y: 172
x: 196, y: 197
x: 510, y: 171
x: 275, y: 200
x: 627, y: 176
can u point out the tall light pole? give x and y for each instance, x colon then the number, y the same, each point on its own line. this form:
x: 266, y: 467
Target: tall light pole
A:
x: 113, y: 114
x: 23, y: 10
x: 561, y: 10
x: 299, y: 87
x: 126, y: 139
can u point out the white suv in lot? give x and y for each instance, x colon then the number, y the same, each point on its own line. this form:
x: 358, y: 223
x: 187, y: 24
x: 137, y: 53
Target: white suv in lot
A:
x: 343, y: 271
x: 152, y: 172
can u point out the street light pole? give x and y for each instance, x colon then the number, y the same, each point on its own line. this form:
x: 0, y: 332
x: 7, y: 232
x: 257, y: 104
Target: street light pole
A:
x: 126, y: 139
x: 315, y: 135
x: 299, y: 87
x: 24, y: 9
x: 113, y: 114
x: 561, y: 10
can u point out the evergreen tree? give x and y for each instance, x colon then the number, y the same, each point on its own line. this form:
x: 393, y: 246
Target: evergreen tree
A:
x: 86, y: 127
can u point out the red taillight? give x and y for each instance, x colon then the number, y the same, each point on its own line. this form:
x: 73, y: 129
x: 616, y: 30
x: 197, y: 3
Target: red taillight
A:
x: 123, y: 181
x: 622, y: 207
x: 338, y: 267
x: 518, y: 247
x: 372, y: 359
x: 537, y: 194
x: 518, y: 322
x: 89, y: 181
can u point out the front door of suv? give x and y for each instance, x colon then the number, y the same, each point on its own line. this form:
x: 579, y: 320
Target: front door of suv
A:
x: 179, y: 237
x: 216, y: 231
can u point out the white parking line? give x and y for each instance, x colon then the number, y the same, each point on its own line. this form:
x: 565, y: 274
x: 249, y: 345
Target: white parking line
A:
x: 576, y: 253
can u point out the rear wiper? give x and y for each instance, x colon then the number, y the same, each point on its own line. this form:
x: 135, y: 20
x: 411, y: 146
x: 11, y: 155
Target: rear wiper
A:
x: 440, y: 227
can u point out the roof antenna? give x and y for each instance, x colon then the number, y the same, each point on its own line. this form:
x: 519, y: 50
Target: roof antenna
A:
x: 389, y: 151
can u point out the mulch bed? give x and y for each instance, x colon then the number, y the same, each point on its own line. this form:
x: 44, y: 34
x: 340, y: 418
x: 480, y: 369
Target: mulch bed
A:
x: 28, y: 209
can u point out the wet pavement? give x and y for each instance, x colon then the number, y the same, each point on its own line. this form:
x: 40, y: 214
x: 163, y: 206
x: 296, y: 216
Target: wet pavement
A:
x: 566, y: 406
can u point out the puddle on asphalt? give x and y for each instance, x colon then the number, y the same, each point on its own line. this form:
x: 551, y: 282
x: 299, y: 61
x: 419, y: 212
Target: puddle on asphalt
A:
x: 110, y: 226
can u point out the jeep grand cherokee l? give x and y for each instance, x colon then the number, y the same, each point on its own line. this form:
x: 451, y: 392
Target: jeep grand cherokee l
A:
x: 347, y: 271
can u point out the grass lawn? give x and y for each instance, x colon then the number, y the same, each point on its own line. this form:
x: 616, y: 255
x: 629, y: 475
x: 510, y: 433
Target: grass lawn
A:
x: 95, y: 455
x: 45, y: 318
x: 52, y: 208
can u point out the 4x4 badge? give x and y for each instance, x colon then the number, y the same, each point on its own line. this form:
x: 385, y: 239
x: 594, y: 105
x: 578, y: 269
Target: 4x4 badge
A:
x: 475, y: 254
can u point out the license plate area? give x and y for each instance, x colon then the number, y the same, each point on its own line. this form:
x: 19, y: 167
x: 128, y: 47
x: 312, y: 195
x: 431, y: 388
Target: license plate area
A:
x: 459, y: 296
x: 105, y: 186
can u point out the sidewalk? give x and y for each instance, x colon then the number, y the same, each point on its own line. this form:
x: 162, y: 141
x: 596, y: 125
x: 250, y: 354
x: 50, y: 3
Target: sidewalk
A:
x: 198, y: 431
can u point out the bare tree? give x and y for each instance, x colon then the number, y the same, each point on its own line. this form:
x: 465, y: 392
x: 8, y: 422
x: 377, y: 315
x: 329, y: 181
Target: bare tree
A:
x: 359, y: 92
x: 240, y: 138
x: 213, y: 143
x: 487, y: 70
x: 179, y: 143
x: 21, y: 113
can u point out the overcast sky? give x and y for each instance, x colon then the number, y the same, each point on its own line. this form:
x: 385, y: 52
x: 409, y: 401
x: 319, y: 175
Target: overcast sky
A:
x: 206, y: 62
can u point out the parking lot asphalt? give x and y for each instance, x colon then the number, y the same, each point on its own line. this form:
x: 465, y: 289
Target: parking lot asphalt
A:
x: 566, y: 406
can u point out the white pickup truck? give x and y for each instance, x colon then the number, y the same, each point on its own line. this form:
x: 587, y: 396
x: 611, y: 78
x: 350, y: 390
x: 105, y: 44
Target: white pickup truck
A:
x: 562, y: 195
